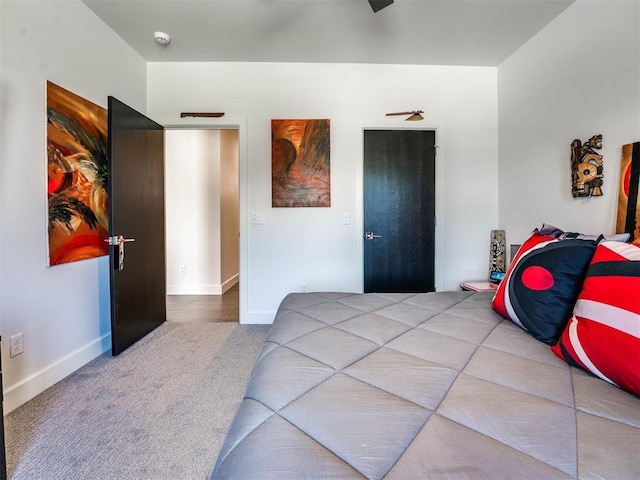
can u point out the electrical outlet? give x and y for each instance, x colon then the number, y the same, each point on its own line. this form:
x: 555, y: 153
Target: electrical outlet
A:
x: 16, y: 344
x: 183, y: 269
x: 304, y: 287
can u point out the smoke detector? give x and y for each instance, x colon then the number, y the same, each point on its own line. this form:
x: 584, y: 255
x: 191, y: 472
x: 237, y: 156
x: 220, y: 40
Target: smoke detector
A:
x: 162, y: 38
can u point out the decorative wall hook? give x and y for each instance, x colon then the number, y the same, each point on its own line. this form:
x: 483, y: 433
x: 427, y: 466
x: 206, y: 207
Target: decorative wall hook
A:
x: 586, y: 167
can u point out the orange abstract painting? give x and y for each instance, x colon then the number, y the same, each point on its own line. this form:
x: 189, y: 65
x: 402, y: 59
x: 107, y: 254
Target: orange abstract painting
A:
x: 300, y: 159
x: 628, y: 220
x: 78, y: 220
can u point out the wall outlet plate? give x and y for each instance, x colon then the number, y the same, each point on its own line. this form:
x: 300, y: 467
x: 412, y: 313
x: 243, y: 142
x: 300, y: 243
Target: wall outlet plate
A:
x: 16, y: 344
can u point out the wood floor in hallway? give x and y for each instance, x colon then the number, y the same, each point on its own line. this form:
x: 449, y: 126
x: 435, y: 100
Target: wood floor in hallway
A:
x: 205, y: 308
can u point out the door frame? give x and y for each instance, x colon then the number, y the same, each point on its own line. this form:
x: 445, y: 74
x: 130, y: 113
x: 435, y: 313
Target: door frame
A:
x: 240, y: 124
x: 439, y: 194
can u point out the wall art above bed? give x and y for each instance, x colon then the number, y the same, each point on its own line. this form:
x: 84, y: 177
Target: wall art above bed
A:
x: 300, y: 161
x: 628, y: 219
x: 78, y: 220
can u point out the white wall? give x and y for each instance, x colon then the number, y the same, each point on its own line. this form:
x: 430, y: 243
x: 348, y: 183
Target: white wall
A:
x: 201, y: 179
x: 192, y: 178
x: 311, y: 245
x: 62, y: 310
x: 578, y: 77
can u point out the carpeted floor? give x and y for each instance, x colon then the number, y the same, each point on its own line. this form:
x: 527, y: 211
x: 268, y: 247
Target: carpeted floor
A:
x: 158, y: 411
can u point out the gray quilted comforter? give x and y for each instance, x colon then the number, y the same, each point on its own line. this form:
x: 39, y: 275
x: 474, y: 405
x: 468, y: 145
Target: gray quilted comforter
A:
x: 409, y: 386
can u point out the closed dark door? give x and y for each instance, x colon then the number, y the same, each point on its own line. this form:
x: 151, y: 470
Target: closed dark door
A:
x: 136, y: 227
x: 399, y: 210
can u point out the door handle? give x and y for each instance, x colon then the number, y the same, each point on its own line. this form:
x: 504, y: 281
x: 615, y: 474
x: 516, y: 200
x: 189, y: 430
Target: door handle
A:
x: 120, y: 241
x: 371, y: 236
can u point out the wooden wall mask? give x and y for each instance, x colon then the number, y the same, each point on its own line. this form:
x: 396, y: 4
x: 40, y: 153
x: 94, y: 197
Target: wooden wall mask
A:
x: 586, y: 167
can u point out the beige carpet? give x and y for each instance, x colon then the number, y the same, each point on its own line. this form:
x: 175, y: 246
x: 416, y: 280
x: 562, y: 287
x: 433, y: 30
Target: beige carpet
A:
x: 158, y: 411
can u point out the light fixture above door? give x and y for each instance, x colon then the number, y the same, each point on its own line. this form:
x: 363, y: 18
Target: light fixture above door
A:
x: 414, y: 115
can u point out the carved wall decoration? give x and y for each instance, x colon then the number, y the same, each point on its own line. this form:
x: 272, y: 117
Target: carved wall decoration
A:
x: 586, y: 167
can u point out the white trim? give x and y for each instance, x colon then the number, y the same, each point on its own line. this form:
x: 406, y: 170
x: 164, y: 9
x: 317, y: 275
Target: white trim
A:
x: 203, y: 289
x: 226, y: 285
x: 194, y: 289
x: 359, y: 190
x: 256, y: 317
x: 27, y: 388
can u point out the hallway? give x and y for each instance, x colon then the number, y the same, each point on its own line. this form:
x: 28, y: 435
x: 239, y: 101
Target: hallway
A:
x: 205, y: 308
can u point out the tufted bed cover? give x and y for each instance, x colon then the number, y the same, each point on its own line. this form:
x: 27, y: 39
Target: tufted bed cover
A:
x: 410, y: 386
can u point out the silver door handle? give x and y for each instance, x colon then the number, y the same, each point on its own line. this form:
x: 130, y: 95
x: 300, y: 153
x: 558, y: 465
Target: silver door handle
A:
x: 371, y: 236
x: 119, y: 240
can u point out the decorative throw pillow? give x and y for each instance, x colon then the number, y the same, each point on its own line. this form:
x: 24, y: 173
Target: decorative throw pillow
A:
x: 603, y: 335
x: 552, y: 231
x: 542, y: 284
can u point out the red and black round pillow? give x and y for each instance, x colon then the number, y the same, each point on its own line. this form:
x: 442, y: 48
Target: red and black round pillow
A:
x: 542, y: 284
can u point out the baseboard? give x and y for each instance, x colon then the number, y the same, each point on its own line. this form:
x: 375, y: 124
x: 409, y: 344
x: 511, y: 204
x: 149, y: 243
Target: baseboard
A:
x: 203, y: 289
x: 194, y: 290
x: 258, y: 318
x: 23, y: 391
x: 230, y: 282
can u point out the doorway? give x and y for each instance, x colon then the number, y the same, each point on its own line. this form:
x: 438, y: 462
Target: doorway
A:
x: 202, y: 192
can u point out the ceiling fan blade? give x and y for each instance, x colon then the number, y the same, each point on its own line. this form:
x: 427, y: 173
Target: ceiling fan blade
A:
x: 202, y: 114
x: 377, y: 5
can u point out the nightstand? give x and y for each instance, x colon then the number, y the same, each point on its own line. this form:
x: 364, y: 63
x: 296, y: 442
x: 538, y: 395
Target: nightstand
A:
x: 478, y: 286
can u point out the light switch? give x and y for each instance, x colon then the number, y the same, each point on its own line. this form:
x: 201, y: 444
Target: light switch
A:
x: 346, y: 218
x: 256, y: 218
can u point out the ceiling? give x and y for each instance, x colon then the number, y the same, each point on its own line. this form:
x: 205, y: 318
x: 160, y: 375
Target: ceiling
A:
x: 428, y: 32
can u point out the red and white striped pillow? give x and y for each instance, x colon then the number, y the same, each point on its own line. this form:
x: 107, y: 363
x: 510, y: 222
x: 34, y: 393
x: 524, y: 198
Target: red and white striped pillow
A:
x: 603, y: 335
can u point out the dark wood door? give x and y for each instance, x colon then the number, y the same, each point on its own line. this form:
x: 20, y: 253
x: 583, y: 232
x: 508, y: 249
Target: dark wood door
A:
x: 399, y: 210
x: 136, y: 214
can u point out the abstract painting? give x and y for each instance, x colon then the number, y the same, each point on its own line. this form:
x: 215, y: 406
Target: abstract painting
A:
x: 300, y: 158
x: 628, y: 220
x: 78, y: 220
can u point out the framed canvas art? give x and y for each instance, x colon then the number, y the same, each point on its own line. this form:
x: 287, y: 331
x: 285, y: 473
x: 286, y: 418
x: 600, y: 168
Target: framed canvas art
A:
x: 300, y: 159
x: 78, y: 220
x: 628, y: 219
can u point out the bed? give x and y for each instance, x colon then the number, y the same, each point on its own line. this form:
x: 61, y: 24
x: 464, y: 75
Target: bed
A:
x: 429, y: 385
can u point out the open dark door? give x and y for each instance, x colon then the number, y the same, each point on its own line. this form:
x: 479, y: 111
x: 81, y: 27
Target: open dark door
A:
x: 399, y: 210
x: 136, y: 226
